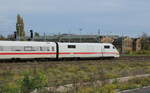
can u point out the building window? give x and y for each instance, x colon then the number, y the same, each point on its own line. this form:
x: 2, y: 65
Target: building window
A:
x: 71, y: 46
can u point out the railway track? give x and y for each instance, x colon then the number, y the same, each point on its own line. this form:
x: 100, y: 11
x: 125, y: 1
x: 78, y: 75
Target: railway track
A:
x: 41, y: 61
x: 135, y: 58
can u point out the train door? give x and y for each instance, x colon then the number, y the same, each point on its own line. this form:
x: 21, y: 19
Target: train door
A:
x: 107, y: 51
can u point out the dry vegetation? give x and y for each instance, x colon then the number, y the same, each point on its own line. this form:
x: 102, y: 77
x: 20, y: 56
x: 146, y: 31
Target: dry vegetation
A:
x: 25, y: 77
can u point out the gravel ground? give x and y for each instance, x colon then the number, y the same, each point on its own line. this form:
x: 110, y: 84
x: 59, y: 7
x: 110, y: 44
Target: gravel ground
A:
x: 140, y: 90
x: 74, y: 61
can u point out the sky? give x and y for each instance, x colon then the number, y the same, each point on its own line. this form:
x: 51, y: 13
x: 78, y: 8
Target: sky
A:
x: 111, y: 17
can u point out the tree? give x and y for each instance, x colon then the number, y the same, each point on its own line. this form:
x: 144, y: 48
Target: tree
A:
x: 2, y: 37
x: 20, y: 28
x: 36, y: 34
x: 145, y: 41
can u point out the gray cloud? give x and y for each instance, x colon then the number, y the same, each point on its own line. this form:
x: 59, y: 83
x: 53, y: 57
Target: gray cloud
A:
x: 115, y: 15
x: 60, y: 5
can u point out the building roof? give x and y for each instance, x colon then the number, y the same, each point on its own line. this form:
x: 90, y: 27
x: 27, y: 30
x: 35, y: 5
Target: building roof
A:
x: 69, y: 38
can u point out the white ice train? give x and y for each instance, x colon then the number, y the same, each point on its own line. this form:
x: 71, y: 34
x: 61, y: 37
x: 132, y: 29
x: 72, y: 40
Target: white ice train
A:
x: 55, y: 50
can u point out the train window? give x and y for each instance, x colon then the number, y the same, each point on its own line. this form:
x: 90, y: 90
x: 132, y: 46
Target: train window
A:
x: 53, y: 49
x: 71, y: 46
x: 48, y: 49
x: 44, y: 49
x: 27, y: 48
x: 1, y: 48
x: 106, y: 47
x: 7, y: 48
x: 35, y: 48
x: 17, y: 48
x: 41, y: 49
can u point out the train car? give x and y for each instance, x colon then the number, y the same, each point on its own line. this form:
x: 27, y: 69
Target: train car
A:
x: 26, y: 49
x: 86, y: 50
x: 55, y: 50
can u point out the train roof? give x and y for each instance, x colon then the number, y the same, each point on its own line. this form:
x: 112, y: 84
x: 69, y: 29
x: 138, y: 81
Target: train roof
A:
x: 26, y: 43
x: 84, y: 43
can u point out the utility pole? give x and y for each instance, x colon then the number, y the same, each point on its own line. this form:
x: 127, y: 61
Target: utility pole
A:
x: 99, y: 31
x: 69, y: 35
x: 122, y: 47
x: 44, y: 36
x: 31, y: 34
x: 80, y: 34
x: 15, y: 35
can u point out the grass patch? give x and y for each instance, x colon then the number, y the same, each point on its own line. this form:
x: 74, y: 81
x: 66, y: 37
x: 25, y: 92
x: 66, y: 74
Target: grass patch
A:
x: 15, y: 79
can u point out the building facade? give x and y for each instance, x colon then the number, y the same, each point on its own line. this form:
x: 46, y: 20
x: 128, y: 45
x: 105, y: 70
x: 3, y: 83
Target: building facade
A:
x: 124, y: 44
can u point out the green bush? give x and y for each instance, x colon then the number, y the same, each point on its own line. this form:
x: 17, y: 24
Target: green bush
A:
x: 111, y: 75
x: 10, y: 88
x: 37, y: 81
x: 141, y: 81
x: 86, y: 90
x: 141, y: 52
x: 109, y: 88
x: 82, y: 76
x: 126, y: 86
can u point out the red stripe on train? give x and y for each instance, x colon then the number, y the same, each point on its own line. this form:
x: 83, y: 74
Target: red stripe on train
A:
x: 26, y: 53
x: 59, y: 53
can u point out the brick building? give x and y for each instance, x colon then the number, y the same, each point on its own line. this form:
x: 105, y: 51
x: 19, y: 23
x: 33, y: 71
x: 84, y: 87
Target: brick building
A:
x: 106, y: 39
x: 145, y: 43
x: 124, y: 44
x: 137, y: 44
